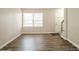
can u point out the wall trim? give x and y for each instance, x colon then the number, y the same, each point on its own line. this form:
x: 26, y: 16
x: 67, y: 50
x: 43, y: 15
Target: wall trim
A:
x: 37, y: 32
x: 70, y: 42
x: 63, y: 37
x: 73, y: 43
x: 9, y: 41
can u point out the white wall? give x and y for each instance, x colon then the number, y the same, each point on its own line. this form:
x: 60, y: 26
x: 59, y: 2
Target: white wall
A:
x: 64, y: 34
x: 10, y: 24
x: 73, y: 25
x: 48, y: 20
x: 59, y: 16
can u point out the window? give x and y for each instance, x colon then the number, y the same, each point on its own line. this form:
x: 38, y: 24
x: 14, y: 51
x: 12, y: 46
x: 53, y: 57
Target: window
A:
x: 33, y: 19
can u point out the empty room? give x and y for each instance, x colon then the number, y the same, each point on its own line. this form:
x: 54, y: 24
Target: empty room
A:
x: 39, y: 29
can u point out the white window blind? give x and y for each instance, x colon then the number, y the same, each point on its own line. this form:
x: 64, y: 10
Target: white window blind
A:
x: 33, y: 19
x: 27, y: 19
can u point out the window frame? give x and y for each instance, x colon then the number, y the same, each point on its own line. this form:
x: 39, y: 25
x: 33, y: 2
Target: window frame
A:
x: 33, y: 23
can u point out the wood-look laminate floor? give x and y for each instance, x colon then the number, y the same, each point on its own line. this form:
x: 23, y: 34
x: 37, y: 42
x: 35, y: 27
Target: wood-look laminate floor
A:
x: 39, y: 42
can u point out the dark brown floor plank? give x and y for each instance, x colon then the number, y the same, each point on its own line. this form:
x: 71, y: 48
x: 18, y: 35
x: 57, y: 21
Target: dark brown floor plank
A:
x: 46, y: 42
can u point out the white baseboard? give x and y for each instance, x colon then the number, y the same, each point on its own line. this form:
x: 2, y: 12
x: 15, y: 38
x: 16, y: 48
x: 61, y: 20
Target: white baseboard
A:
x: 70, y: 42
x: 73, y: 43
x: 9, y: 41
x: 36, y: 32
x: 63, y: 37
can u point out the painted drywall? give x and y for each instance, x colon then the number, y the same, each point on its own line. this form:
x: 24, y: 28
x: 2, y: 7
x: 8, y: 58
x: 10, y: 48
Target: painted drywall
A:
x: 60, y: 15
x: 73, y: 25
x: 64, y: 33
x: 10, y: 24
x: 48, y: 19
